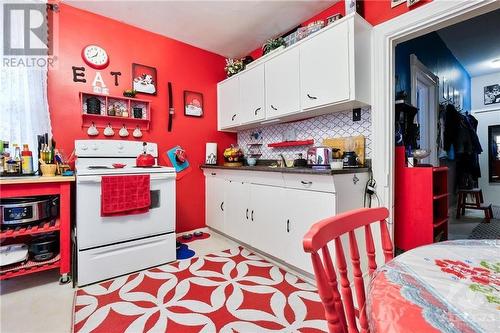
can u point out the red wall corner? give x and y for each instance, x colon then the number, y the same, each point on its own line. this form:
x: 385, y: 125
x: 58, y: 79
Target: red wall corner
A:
x: 187, y: 67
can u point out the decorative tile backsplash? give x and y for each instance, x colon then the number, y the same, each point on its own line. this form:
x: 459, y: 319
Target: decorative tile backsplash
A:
x: 332, y: 125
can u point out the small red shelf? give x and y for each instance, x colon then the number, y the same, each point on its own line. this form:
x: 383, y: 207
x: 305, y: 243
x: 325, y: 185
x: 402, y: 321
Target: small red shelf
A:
x: 103, y: 119
x: 291, y: 143
x: 43, y: 227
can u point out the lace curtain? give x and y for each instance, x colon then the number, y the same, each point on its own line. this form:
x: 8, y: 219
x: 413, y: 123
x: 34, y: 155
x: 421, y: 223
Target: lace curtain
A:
x: 24, y: 109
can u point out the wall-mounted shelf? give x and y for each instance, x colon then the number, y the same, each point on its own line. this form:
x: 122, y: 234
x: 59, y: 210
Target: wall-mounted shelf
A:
x: 102, y: 119
x: 291, y: 143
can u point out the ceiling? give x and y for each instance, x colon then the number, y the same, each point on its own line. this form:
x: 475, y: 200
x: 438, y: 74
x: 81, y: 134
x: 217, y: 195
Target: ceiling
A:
x: 229, y: 28
x: 475, y: 42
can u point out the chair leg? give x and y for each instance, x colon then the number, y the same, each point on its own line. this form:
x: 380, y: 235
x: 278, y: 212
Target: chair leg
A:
x: 477, y: 197
x: 464, y: 202
x: 481, y: 199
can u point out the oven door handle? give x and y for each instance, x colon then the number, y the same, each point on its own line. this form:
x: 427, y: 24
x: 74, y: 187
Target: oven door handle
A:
x: 97, y: 179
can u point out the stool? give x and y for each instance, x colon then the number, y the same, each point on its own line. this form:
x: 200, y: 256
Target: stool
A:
x: 477, y: 195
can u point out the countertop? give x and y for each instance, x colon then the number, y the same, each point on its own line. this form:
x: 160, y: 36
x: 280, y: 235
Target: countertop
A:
x: 35, y: 180
x: 265, y: 168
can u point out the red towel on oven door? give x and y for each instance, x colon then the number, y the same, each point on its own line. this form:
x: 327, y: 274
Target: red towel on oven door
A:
x: 125, y: 195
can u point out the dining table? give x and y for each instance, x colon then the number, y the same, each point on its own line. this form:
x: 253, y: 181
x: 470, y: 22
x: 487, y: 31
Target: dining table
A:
x: 451, y: 286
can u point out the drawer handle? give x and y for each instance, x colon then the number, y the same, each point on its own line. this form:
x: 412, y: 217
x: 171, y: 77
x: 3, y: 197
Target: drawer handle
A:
x: 312, y: 97
x: 306, y: 183
x: 287, y: 225
x: 247, y: 214
x: 274, y: 108
x: 234, y: 116
x: 222, y: 206
x: 252, y: 215
x: 257, y: 110
x: 213, y: 174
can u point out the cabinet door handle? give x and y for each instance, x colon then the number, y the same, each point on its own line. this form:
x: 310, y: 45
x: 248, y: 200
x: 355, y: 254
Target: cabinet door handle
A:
x: 222, y: 206
x: 306, y: 183
x: 234, y: 116
x: 213, y: 174
x: 274, y: 108
x: 247, y: 213
x: 312, y: 97
x: 252, y: 216
x: 257, y: 110
x: 287, y: 225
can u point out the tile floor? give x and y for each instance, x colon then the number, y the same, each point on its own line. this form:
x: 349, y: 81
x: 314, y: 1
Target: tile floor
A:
x: 37, y: 303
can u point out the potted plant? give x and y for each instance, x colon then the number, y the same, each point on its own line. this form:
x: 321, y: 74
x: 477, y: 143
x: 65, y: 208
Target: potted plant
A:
x: 273, y: 44
x: 233, y: 66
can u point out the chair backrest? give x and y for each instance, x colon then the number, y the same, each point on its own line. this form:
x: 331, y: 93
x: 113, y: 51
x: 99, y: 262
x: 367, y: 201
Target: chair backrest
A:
x: 339, y: 311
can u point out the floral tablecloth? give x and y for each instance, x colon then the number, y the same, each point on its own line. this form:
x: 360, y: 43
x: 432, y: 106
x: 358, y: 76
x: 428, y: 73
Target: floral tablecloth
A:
x: 449, y: 287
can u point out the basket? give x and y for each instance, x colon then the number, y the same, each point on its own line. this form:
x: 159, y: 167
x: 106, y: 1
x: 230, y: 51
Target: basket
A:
x: 48, y: 170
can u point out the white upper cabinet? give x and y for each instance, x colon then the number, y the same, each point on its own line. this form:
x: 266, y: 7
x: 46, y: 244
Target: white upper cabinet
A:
x: 282, y: 84
x: 324, y: 68
x: 326, y: 72
x: 252, y: 103
x: 228, y: 100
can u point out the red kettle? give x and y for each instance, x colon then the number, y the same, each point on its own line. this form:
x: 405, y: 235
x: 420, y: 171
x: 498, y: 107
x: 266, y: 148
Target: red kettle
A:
x: 145, y: 160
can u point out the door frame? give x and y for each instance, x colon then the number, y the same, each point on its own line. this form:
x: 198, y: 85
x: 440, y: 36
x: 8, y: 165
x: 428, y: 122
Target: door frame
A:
x: 419, y: 72
x: 432, y: 16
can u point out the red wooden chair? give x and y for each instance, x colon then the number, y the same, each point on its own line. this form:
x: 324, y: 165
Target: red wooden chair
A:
x: 339, y: 311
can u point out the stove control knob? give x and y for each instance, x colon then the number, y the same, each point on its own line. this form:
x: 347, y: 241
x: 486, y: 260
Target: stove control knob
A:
x: 84, y: 147
x: 120, y: 146
x: 150, y: 149
x: 94, y: 147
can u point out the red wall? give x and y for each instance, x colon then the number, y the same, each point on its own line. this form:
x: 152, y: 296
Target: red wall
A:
x: 375, y: 12
x: 187, y: 67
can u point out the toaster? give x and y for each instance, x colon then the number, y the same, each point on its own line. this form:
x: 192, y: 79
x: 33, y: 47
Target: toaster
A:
x: 319, y: 156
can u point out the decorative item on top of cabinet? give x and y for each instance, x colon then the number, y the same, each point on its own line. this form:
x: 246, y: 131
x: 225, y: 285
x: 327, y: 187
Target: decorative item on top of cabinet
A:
x: 129, y: 93
x: 273, y: 44
x: 233, y: 66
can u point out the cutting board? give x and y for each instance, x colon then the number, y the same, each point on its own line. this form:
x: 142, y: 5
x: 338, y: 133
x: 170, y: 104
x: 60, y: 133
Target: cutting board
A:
x: 176, y: 164
x: 359, y: 142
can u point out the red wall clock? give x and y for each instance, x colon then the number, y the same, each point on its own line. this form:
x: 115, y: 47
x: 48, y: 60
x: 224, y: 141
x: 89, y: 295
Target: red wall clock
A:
x: 95, y: 56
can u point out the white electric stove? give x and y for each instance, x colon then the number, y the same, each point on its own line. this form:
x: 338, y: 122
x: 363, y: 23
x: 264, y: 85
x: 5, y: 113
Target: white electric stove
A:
x: 111, y: 246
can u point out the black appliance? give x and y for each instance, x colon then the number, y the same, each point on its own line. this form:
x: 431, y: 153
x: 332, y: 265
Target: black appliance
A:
x: 350, y: 159
x: 44, y: 247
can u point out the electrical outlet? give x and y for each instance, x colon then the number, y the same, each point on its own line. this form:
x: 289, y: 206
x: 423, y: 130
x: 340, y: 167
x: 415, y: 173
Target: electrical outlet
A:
x: 356, y: 115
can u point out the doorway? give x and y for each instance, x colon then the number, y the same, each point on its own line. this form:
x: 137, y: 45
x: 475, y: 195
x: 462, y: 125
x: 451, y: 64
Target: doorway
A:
x: 433, y: 16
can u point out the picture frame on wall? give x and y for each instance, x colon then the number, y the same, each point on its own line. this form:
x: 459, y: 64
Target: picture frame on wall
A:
x: 144, y: 79
x: 193, y: 104
x: 395, y: 3
x: 492, y: 94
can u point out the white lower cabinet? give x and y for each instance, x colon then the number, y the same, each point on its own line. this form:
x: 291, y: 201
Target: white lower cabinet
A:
x: 274, y: 218
x: 214, y: 206
x: 304, y: 208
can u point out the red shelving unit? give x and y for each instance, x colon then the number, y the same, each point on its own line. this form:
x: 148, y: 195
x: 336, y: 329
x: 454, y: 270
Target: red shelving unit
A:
x: 291, y: 143
x: 421, y: 204
x: 34, y: 186
x: 103, y: 119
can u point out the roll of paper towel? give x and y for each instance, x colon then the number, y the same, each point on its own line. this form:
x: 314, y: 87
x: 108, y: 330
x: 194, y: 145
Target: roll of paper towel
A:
x: 211, y: 153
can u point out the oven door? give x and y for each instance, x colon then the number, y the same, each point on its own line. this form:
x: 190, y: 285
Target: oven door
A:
x: 94, y: 231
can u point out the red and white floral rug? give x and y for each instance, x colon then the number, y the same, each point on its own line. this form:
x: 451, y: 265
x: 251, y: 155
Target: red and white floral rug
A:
x: 230, y: 291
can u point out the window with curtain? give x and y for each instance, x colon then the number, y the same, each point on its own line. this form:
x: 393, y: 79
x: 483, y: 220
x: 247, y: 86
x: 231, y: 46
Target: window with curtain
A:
x: 24, y: 110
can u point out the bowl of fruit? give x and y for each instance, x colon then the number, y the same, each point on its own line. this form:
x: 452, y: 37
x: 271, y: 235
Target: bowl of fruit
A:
x: 233, y: 156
